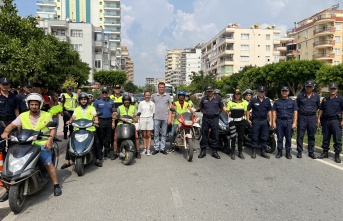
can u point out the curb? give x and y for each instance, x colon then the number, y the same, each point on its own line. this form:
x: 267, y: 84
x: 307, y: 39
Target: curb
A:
x: 316, y: 149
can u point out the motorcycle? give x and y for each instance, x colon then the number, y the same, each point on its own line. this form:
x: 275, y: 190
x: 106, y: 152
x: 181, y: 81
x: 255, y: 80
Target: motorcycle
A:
x: 126, y: 139
x: 224, y: 133
x: 184, y: 137
x: 81, y: 148
x: 23, y: 173
x: 197, y: 129
x: 271, y: 144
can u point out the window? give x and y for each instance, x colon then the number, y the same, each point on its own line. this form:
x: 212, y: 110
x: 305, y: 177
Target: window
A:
x: 276, y: 58
x: 337, y: 39
x: 244, y: 47
x: 97, y: 63
x: 306, y: 56
x: 338, y: 27
x: 100, y: 3
x: 335, y: 62
x: 267, y: 58
x: 267, y: 36
x: 244, y: 58
x: 77, y: 47
x: 100, y: 19
x: 58, y: 8
x: 58, y: 32
x: 245, y: 36
x: 337, y: 51
x: 76, y: 33
x: 306, y: 33
x: 100, y: 11
x: 306, y: 45
x: 298, y: 46
x: 45, y: 31
x: 267, y: 47
x: 276, y: 37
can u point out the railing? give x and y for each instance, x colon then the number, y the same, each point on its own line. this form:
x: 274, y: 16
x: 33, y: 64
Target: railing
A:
x: 112, y: 6
x: 41, y: 10
x: 46, y: 2
x: 325, y: 29
x: 112, y: 14
x: 112, y: 22
x: 325, y: 42
x: 323, y: 55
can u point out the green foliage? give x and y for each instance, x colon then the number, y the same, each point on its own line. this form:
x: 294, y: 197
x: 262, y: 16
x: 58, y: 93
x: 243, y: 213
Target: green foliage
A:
x: 200, y: 81
x: 329, y: 74
x: 149, y: 87
x: 110, y: 78
x: 130, y: 87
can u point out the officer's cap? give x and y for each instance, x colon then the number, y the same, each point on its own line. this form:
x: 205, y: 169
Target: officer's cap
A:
x: 104, y: 89
x: 237, y: 91
x: 28, y: 84
x: 36, y: 84
x: 69, y: 87
x: 309, y: 83
x: 261, y: 89
x: 209, y: 88
x: 285, y: 88
x: 117, y: 86
x: 5, y: 80
x: 333, y: 85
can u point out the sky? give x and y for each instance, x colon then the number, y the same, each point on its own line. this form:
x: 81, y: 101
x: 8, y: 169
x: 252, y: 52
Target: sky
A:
x: 150, y: 27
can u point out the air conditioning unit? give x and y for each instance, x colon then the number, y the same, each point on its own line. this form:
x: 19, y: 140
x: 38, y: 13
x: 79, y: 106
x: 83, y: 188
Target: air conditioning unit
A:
x: 298, y: 50
x: 306, y: 36
x: 331, y: 36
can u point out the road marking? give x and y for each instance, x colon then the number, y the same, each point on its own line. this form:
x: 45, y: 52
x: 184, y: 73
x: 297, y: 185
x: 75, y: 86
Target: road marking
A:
x: 176, y: 197
x: 330, y: 164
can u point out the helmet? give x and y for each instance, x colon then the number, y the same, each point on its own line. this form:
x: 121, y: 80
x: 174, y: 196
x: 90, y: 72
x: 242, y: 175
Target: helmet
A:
x: 188, y: 94
x: 181, y: 93
x: 83, y: 95
x: 126, y: 97
x: 34, y: 97
x: 90, y: 95
x: 248, y: 91
x: 217, y: 91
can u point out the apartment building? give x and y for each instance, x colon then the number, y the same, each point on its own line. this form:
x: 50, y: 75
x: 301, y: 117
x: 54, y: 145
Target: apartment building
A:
x: 172, y: 66
x: 89, y: 41
x: 318, y: 37
x: 235, y: 47
x: 189, y: 62
x: 127, y: 64
x: 100, y: 13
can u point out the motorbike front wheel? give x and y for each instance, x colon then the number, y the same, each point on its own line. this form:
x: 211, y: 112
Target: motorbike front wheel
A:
x: 189, y: 150
x: 16, y: 197
x: 271, y: 145
x: 79, y: 166
x: 197, y: 133
x: 128, y: 154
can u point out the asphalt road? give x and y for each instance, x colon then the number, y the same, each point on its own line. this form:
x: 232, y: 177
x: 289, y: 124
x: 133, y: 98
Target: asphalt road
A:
x: 167, y: 187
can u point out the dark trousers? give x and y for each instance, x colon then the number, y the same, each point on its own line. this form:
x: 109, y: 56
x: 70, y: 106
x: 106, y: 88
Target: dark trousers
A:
x: 260, y: 132
x: 332, y: 127
x: 3, y: 144
x: 306, y: 123
x: 240, y: 128
x: 284, y: 130
x: 97, y: 148
x: 208, y: 124
x: 65, y: 127
x: 105, y: 133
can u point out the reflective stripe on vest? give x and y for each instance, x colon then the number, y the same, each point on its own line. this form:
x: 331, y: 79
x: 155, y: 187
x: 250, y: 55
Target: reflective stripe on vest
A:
x: 117, y: 99
x: 70, y: 102
x: 180, y: 110
x: 88, y: 115
x: 122, y: 111
x: 43, y: 120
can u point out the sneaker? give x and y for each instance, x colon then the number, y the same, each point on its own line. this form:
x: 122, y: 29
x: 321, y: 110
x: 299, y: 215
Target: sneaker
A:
x: 143, y: 152
x: 148, y: 153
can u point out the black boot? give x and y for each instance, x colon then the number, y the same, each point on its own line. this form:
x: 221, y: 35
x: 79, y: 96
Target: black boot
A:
x: 240, y: 155
x: 279, y: 154
x: 264, y: 154
x: 114, y: 156
x: 233, y: 153
x: 138, y: 154
x: 4, y: 197
x: 337, y: 159
x: 202, y: 153
x: 253, y: 154
x: 325, y: 154
x: 300, y: 155
x: 65, y: 135
x: 215, y: 154
x: 311, y: 155
x: 288, y: 154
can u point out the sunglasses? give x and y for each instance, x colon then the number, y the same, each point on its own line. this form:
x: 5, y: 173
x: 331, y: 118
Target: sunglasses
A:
x: 104, y: 92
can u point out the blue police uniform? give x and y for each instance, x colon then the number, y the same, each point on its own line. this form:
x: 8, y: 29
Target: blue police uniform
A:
x: 22, y: 107
x: 210, y: 120
x: 105, y: 122
x: 284, y: 112
x: 331, y: 122
x: 307, y: 112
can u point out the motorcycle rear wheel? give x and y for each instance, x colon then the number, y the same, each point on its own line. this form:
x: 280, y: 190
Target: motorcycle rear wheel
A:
x: 79, y: 167
x: 271, y: 146
x: 189, y: 150
x: 17, y: 200
x: 128, y: 154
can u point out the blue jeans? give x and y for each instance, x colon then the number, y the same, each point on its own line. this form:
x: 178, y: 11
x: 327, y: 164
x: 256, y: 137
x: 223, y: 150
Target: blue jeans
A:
x: 160, y: 125
x: 56, y: 120
x: 172, y: 134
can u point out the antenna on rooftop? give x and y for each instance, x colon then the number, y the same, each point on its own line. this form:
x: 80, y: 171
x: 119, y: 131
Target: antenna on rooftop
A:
x: 335, y: 7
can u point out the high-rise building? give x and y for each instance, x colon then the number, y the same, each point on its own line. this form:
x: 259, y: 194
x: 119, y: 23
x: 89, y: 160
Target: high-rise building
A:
x: 235, y: 47
x: 172, y: 66
x: 101, y: 13
x: 189, y: 63
x: 127, y: 64
x: 318, y: 37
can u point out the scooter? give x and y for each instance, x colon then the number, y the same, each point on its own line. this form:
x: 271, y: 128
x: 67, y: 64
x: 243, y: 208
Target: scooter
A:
x: 271, y: 145
x: 224, y: 132
x: 23, y: 173
x: 126, y: 139
x: 81, y: 144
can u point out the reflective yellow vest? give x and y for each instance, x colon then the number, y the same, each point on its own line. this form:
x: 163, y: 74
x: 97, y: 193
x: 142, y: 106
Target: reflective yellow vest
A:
x: 43, y: 120
x: 180, y: 110
x: 70, y: 102
x: 122, y: 111
x: 117, y: 99
x: 88, y: 115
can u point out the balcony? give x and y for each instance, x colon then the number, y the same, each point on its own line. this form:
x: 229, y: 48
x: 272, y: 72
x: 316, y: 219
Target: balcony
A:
x: 114, y: 31
x: 112, y: 23
x: 291, y: 53
x: 227, y: 51
x: 324, y: 56
x: 97, y: 29
x: 112, y: 7
x: 98, y: 55
x: 282, y: 48
x: 322, y: 19
x: 291, y: 42
x: 46, y: 11
x: 324, y: 31
x: 112, y: 15
x: 46, y: 3
x: 111, y: 0
x: 227, y: 61
x: 58, y: 24
x: 97, y: 44
x: 114, y: 39
x: 282, y: 58
x: 62, y: 37
x: 323, y: 44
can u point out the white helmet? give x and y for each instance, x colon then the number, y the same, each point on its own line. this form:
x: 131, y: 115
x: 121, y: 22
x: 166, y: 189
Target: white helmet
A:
x: 35, y: 97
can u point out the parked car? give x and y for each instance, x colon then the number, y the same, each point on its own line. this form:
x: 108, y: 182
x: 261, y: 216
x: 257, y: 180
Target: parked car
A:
x: 139, y: 97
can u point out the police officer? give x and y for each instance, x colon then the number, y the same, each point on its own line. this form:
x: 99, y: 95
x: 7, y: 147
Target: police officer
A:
x: 27, y: 88
x: 308, y: 103
x: 116, y: 97
x: 68, y: 101
x: 284, y: 122
x: 8, y: 112
x: 106, y: 121
x: 261, y: 114
x: 330, y: 117
x: 210, y: 106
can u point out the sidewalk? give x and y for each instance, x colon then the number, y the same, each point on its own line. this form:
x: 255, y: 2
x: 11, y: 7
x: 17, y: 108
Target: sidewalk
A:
x: 316, y: 149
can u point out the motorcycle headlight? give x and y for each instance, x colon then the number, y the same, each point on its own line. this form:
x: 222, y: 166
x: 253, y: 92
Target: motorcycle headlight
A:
x: 16, y: 164
x: 32, y: 138
x: 74, y: 125
x: 14, y: 139
x: 81, y: 137
x: 89, y: 125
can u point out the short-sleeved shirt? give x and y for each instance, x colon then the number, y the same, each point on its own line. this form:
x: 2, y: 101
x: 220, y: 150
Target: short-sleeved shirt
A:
x: 308, y: 104
x: 211, y: 107
x: 104, y: 106
x: 7, y: 106
x: 332, y: 107
x: 162, y: 103
x: 21, y: 102
x: 285, y: 107
x: 34, y: 121
x: 260, y: 108
x: 146, y: 108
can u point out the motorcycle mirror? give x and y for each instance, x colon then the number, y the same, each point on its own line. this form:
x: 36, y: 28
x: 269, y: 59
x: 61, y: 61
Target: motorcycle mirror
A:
x: 2, y: 124
x: 114, y: 109
x: 52, y: 124
x: 139, y: 114
x: 172, y: 109
x: 66, y: 113
x: 197, y: 110
x: 99, y: 114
